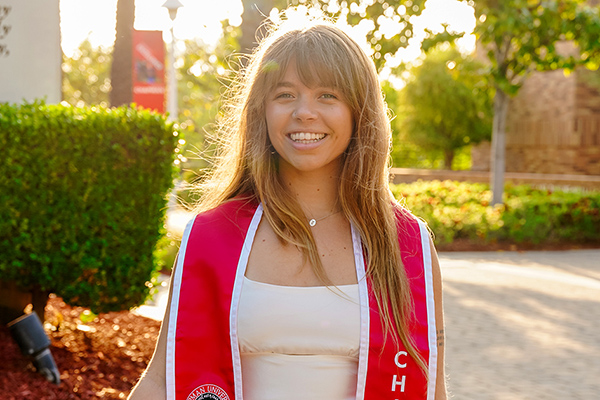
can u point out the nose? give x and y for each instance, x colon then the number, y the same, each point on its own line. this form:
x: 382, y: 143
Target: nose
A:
x: 304, y: 110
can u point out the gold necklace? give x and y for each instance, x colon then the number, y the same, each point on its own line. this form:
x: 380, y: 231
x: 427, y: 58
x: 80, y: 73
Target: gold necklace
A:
x: 313, y: 221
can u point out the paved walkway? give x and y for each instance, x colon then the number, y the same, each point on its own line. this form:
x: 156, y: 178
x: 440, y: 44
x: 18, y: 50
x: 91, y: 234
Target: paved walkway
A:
x: 522, y: 325
x: 518, y: 325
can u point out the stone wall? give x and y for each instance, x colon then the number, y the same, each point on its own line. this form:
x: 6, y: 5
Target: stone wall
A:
x: 553, y: 127
x: 557, y: 181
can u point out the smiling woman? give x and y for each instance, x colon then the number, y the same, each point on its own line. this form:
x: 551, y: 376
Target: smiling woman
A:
x: 309, y: 127
x: 301, y: 276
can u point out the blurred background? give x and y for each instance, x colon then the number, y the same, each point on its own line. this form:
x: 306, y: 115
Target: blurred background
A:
x: 108, y: 116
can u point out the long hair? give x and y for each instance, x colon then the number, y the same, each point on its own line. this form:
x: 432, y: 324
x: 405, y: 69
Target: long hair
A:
x: 246, y: 165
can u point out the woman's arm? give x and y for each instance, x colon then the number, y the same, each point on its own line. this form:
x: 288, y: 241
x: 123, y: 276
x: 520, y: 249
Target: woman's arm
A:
x: 152, y: 384
x: 440, y: 389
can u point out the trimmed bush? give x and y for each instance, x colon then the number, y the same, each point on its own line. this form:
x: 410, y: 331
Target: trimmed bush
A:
x: 459, y: 210
x: 536, y: 216
x: 83, y: 200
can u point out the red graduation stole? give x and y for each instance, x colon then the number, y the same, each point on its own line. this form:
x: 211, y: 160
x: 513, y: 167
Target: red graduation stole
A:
x: 203, y: 359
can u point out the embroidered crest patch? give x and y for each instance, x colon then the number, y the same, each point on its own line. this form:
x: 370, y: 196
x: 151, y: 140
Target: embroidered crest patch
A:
x: 208, y: 392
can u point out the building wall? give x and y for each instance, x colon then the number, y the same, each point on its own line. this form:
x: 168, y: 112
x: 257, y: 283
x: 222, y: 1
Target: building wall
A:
x: 553, y: 127
x: 30, y: 54
x: 587, y: 122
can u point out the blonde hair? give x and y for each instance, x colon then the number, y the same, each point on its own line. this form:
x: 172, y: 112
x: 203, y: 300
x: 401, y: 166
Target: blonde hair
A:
x: 246, y: 166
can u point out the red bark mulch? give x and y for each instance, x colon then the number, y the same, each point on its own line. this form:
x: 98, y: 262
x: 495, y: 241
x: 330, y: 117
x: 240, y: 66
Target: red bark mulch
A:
x: 99, y: 359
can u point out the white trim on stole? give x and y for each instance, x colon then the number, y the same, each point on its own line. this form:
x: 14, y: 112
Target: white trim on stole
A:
x: 235, y: 301
x: 431, y: 323
x: 172, y: 329
x: 363, y: 293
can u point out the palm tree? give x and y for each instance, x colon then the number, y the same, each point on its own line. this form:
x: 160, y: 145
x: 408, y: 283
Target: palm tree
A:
x: 121, y: 74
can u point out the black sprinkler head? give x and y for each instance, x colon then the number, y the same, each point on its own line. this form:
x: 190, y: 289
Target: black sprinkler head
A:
x: 28, y: 332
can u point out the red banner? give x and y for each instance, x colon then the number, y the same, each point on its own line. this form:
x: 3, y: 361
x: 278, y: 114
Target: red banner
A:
x: 149, y: 70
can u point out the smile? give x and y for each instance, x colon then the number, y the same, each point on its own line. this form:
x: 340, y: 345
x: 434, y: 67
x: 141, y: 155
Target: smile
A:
x: 305, y: 137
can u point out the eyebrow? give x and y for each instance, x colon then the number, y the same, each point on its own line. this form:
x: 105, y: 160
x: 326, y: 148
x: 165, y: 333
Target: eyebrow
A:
x: 284, y: 84
x: 287, y: 84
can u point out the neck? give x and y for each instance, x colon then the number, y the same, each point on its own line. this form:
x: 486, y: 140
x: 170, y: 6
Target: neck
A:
x: 316, y: 192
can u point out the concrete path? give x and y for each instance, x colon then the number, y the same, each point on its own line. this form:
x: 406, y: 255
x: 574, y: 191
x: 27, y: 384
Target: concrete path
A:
x: 522, y: 325
x: 519, y: 325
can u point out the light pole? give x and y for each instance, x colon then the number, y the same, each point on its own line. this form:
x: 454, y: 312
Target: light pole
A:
x: 172, y: 6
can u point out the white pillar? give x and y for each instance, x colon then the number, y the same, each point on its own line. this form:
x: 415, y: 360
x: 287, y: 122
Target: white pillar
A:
x: 172, y: 6
x: 172, y: 81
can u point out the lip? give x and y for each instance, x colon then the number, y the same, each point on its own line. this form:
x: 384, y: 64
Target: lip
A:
x: 305, y: 139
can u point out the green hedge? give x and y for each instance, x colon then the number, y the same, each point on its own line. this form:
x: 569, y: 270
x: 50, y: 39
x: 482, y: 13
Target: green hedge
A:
x: 458, y: 210
x: 83, y: 200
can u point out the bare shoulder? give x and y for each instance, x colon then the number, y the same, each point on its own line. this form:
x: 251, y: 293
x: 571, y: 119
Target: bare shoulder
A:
x: 152, y: 384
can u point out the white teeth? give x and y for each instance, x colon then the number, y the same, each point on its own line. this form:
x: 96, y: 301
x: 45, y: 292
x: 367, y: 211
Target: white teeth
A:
x: 306, y: 137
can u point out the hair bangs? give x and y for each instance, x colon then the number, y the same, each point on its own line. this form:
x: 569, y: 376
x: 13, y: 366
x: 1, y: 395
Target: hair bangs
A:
x: 320, y: 61
x: 315, y: 70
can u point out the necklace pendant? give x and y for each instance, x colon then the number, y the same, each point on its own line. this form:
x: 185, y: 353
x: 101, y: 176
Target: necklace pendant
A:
x: 312, y: 222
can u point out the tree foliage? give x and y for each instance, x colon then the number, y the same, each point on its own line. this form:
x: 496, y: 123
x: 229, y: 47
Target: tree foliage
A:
x: 405, y: 153
x: 523, y: 36
x: 390, y: 22
x: 203, y: 77
x: 86, y: 76
x: 387, y: 24
x: 445, y: 104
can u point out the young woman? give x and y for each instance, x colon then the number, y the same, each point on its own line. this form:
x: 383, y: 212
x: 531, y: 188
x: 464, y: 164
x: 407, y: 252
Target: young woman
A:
x: 301, y: 276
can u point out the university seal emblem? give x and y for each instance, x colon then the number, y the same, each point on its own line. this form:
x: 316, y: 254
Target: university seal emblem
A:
x: 208, y: 392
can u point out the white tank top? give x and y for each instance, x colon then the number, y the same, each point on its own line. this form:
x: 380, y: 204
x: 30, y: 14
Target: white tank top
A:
x: 298, y: 342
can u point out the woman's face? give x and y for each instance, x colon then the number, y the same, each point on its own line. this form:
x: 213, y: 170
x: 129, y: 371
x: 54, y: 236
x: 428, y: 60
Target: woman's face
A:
x: 310, y: 127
